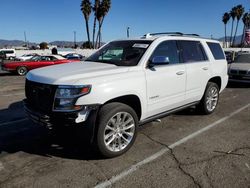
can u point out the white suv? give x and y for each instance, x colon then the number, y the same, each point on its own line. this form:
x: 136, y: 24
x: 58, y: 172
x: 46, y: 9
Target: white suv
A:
x: 128, y: 83
x: 8, y: 53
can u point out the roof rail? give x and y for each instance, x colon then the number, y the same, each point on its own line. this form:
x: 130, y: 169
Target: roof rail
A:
x: 167, y: 33
x: 191, y: 34
x: 170, y: 34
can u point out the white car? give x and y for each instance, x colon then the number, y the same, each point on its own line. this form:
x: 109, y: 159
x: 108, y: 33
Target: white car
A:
x: 239, y: 69
x: 128, y: 83
x: 26, y: 57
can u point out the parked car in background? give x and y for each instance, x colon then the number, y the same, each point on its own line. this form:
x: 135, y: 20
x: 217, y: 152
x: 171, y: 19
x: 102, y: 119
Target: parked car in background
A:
x: 8, y: 53
x: 26, y: 57
x: 239, y: 69
x: 2, y: 55
x: 22, y: 67
x: 74, y: 56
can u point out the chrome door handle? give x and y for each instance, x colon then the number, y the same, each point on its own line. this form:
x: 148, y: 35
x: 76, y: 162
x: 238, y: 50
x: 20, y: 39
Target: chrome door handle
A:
x: 180, y: 72
x: 205, y: 68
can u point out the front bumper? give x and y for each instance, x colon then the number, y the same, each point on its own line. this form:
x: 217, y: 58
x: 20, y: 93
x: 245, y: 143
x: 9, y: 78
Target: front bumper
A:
x: 239, y: 74
x: 60, y: 118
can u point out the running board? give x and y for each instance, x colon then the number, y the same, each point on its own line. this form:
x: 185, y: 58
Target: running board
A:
x: 164, y: 114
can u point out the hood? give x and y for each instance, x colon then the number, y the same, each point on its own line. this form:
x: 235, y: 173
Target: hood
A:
x: 240, y: 66
x: 68, y: 74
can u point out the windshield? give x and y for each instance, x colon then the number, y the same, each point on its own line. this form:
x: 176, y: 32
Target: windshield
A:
x: 121, y: 53
x: 35, y: 58
x: 243, y: 58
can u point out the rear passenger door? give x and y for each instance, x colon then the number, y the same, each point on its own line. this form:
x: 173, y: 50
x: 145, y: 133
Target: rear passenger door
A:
x: 165, y: 82
x: 198, y: 68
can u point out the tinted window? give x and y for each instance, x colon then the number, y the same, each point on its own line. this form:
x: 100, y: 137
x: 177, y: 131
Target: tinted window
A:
x: 46, y: 58
x: 36, y: 58
x: 8, y: 51
x: 169, y: 50
x: 216, y: 50
x: 121, y: 53
x: 51, y: 58
x: 113, y: 53
x: 192, y: 51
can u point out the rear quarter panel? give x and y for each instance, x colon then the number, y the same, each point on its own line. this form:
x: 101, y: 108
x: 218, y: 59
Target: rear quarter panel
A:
x: 218, y: 67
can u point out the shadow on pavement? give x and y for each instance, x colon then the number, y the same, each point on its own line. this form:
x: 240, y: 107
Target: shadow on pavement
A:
x: 238, y: 84
x: 28, y: 137
x: 191, y: 111
x: 12, y: 113
x: 7, y: 74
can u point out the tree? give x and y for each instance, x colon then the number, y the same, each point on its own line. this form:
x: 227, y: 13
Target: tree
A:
x: 239, y: 12
x: 232, y: 15
x: 86, y: 45
x: 102, y: 11
x: 225, y: 19
x: 86, y: 11
x: 95, y: 9
x: 43, y: 45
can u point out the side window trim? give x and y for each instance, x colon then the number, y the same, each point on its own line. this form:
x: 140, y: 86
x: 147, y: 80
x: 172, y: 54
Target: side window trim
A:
x: 203, y: 52
x: 180, y: 51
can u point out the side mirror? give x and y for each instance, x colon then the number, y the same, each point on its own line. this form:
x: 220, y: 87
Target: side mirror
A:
x: 159, y: 60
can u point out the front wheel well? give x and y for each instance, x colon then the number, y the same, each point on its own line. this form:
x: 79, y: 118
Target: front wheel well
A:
x: 131, y: 100
x: 216, y: 80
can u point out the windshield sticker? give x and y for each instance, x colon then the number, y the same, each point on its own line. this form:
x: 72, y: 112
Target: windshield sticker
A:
x: 140, y: 45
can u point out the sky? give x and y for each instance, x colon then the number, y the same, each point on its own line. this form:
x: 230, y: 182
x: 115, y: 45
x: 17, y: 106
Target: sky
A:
x: 51, y: 20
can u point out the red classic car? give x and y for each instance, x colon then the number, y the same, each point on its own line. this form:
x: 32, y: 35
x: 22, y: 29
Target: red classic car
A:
x: 22, y: 67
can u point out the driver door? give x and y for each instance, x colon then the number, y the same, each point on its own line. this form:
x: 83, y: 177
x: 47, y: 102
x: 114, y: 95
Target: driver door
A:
x: 166, y: 82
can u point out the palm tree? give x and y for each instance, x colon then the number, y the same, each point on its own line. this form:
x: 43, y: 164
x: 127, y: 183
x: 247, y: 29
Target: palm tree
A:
x: 95, y: 9
x: 225, y: 19
x: 239, y: 12
x: 86, y: 11
x: 232, y: 15
x: 103, y: 10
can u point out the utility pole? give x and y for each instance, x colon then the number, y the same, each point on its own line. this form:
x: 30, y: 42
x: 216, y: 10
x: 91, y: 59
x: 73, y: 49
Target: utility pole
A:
x: 128, y: 32
x: 74, y: 39
x: 25, y: 39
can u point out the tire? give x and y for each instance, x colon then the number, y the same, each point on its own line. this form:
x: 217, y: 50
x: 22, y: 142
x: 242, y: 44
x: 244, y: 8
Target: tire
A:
x: 118, y: 123
x: 210, y: 99
x: 21, y: 71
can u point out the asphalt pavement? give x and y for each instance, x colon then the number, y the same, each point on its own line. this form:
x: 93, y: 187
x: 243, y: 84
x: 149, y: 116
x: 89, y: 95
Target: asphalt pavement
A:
x: 185, y: 150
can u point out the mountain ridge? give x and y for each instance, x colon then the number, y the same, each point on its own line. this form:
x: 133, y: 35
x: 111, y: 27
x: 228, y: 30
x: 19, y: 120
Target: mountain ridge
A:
x: 18, y: 43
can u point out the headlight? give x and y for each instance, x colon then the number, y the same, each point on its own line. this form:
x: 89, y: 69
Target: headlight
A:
x: 66, y: 97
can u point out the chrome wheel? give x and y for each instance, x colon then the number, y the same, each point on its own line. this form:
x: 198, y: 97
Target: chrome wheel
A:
x: 119, y: 131
x: 21, y: 71
x: 212, y: 98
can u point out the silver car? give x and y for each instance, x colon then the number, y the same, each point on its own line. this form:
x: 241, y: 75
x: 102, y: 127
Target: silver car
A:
x: 239, y: 69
